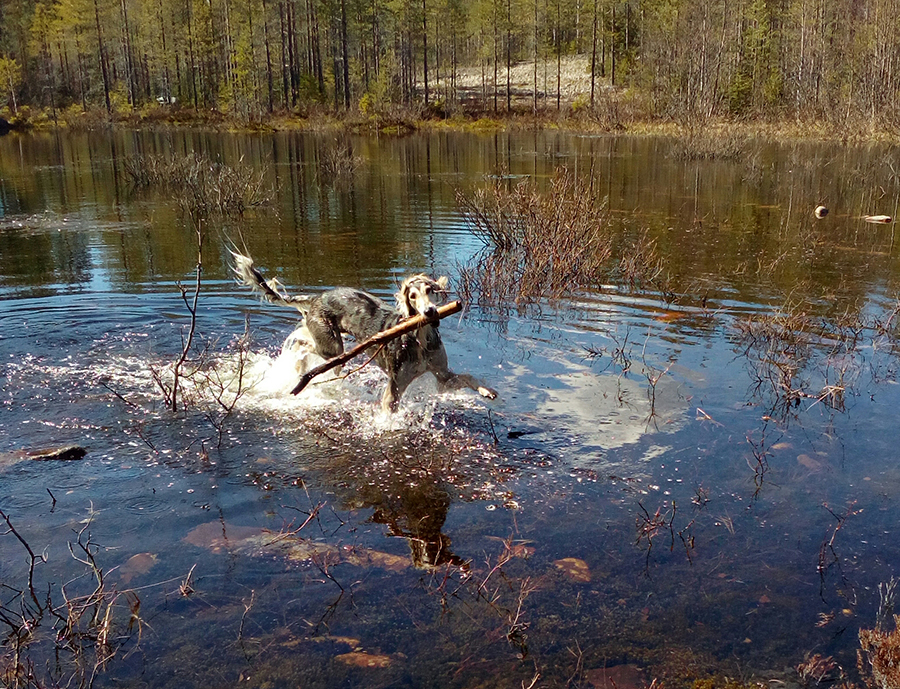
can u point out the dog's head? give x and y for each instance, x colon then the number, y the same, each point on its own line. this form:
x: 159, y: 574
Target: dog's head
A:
x: 420, y: 294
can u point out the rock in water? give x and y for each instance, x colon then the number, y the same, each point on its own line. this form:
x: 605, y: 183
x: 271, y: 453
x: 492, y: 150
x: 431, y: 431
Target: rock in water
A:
x: 67, y: 453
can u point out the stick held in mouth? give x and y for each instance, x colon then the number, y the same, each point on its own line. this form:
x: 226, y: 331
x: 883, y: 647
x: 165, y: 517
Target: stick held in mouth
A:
x: 378, y: 339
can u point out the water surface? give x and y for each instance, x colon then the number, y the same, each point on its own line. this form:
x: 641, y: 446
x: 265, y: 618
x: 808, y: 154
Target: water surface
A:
x: 641, y: 494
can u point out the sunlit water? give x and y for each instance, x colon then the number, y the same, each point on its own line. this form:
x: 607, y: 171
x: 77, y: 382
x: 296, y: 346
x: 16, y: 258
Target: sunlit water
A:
x: 634, y: 497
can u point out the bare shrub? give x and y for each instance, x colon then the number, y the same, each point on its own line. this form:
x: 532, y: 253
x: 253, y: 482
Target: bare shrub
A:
x: 779, y: 344
x: 203, y: 380
x: 170, y: 392
x: 202, y: 188
x: 67, y: 643
x: 640, y: 266
x: 696, y: 141
x: 539, y: 245
x: 551, y: 244
x: 797, y: 356
x: 338, y: 162
x: 90, y: 624
x: 494, y: 593
x: 200, y: 185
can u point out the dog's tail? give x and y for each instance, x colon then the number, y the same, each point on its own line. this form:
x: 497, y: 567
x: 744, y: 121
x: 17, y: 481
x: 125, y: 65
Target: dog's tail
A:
x: 270, y: 290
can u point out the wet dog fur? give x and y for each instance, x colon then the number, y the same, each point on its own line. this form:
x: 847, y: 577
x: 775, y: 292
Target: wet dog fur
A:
x: 329, y: 315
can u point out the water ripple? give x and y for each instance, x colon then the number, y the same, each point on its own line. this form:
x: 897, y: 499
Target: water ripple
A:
x: 145, y: 504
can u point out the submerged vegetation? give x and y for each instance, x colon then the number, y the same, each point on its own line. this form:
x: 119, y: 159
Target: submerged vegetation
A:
x: 66, y: 635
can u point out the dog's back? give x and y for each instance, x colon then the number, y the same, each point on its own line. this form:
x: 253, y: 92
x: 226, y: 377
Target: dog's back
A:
x: 353, y: 311
x: 346, y: 310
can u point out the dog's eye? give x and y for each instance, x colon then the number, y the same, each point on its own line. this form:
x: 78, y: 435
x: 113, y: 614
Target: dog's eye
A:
x: 428, y: 290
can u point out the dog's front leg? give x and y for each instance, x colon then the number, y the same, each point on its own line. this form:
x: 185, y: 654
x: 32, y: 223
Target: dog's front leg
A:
x: 448, y: 380
x: 390, y: 400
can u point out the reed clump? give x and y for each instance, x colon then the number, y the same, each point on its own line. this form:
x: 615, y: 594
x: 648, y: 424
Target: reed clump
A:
x: 200, y: 185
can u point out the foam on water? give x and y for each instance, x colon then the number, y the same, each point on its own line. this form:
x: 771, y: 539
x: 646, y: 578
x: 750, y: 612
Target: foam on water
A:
x: 357, y: 390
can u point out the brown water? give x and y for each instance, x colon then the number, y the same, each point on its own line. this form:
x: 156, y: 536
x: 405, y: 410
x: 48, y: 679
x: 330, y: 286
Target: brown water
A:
x: 660, y: 506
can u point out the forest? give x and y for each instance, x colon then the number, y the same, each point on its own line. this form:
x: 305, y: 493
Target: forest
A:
x: 816, y: 61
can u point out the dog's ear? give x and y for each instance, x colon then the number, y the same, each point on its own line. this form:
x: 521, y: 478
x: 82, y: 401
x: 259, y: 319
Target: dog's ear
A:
x: 443, y: 282
x: 406, y: 308
x: 402, y: 298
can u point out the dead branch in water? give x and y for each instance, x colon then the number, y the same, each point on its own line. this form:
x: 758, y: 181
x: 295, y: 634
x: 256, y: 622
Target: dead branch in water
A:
x: 88, y: 628
x: 377, y: 340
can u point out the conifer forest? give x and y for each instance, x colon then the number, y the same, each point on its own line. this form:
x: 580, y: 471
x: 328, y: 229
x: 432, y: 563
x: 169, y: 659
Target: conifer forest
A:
x: 835, y: 61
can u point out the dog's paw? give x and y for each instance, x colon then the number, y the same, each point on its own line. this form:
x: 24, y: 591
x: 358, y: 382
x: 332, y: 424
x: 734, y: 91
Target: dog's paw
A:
x: 487, y: 392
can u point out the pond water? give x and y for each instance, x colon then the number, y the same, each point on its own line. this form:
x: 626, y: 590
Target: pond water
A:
x: 644, y: 500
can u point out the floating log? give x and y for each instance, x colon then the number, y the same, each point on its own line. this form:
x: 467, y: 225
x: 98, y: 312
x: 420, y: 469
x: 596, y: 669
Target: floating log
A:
x: 403, y: 327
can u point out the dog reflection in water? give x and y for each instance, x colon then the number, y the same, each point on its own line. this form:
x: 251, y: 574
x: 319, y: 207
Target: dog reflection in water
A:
x: 345, y: 310
x: 417, y: 513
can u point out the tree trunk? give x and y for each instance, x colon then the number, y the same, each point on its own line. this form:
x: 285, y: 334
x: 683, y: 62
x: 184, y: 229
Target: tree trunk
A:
x: 425, y: 48
x: 536, y: 45
x: 167, y: 87
x: 191, y: 54
x: 496, y: 56
x: 594, y: 54
x: 612, y: 49
x: 129, y: 56
x: 345, y: 56
x: 81, y: 75
x: 269, y: 77
x: 293, y: 58
x: 316, y: 47
x: 285, y: 73
x: 508, y: 55
x: 104, y: 68
x: 230, y: 59
x: 376, y: 47
x: 558, y: 43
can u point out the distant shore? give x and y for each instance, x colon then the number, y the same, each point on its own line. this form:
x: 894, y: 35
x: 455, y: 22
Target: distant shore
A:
x: 399, y: 121
x: 482, y: 107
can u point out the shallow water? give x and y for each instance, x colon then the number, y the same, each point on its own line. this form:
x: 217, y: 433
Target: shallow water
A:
x: 656, y: 504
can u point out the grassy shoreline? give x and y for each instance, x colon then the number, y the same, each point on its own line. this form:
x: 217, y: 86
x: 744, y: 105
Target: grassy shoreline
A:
x: 607, y: 119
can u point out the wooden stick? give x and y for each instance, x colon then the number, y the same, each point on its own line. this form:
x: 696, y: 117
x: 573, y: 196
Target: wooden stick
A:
x: 381, y: 338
